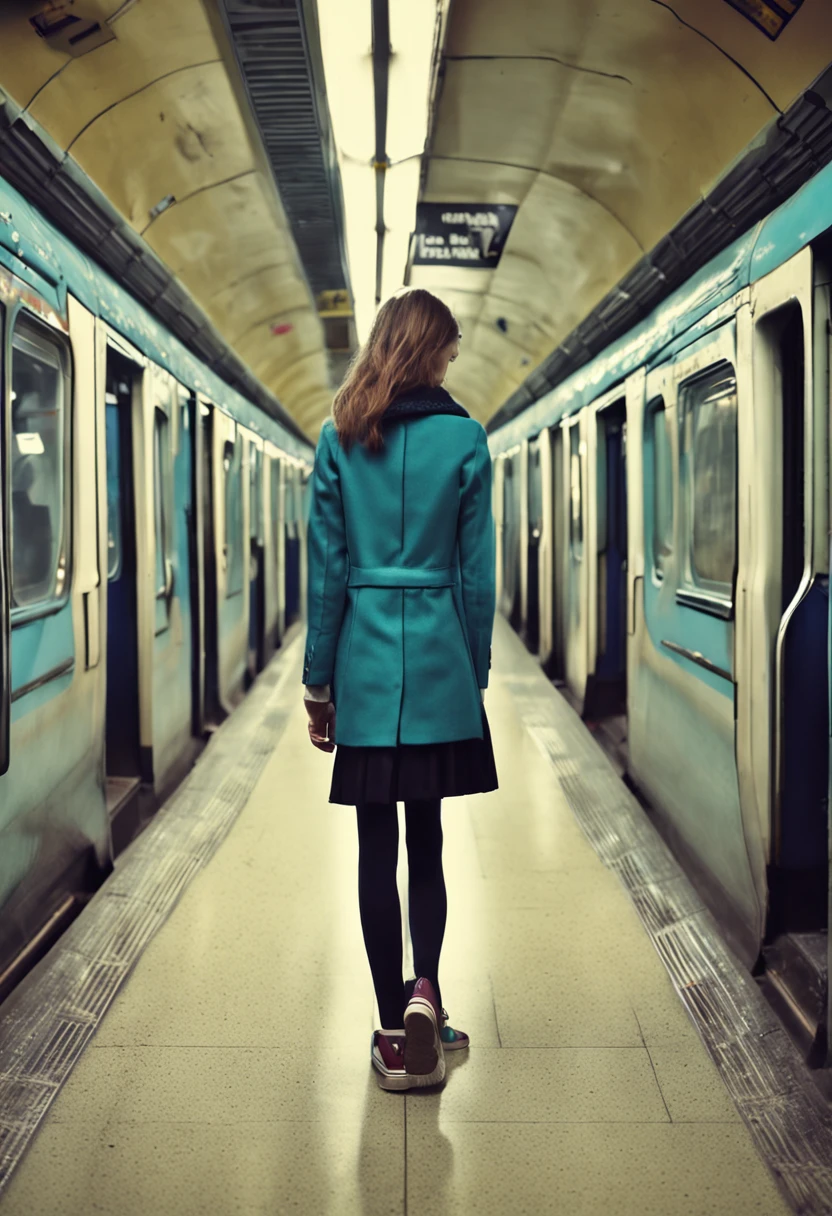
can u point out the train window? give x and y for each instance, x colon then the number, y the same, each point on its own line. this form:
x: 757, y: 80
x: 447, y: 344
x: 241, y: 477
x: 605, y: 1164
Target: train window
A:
x: 232, y: 465
x: 708, y: 467
x: 38, y: 472
x: 662, y: 488
x: 160, y: 449
x: 576, y: 514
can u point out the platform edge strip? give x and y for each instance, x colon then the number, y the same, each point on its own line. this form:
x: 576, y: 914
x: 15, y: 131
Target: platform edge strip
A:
x: 47, y: 1023
x: 788, y: 1119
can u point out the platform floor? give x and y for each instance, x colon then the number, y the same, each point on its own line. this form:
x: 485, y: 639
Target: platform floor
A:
x: 231, y: 1074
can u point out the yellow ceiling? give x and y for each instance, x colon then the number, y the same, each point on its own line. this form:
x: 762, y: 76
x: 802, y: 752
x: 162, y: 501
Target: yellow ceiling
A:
x: 605, y: 123
x: 157, y: 112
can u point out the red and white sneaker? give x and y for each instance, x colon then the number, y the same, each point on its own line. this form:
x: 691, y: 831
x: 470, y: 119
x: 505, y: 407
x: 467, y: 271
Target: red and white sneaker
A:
x: 387, y: 1057
x: 452, y: 1040
x: 424, y: 1058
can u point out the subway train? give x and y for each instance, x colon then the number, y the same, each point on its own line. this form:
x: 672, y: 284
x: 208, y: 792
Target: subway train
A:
x: 151, y: 560
x: 663, y: 549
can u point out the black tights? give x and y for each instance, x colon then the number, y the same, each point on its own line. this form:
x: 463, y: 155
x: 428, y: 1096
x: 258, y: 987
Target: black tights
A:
x: 378, y: 898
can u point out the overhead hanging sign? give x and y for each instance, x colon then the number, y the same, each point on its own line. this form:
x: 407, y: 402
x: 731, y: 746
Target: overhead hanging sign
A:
x: 771, y: 16
x: 461, y: 234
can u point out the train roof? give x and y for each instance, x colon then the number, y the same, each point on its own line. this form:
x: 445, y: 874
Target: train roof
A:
x: 34, y: 250
x: 686, y: 313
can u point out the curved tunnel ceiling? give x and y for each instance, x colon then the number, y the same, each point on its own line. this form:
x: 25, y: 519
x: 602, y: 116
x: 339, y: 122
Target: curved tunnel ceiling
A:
x: 152, y: 113
x: 604, y: 123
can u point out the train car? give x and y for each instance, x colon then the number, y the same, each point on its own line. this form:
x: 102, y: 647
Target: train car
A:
x: 150, y: 563
x: 663, y: 522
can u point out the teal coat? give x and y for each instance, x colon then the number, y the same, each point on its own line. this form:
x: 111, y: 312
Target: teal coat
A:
x: 401, y: 576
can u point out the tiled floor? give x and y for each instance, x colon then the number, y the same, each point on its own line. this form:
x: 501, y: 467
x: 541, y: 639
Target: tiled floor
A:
x: 232, y: 1073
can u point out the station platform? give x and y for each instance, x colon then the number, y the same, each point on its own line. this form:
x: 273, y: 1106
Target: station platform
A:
x: 198, y: 1041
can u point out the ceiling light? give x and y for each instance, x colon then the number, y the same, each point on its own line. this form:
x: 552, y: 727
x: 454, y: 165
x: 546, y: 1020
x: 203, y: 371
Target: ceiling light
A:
x: 346, y: 43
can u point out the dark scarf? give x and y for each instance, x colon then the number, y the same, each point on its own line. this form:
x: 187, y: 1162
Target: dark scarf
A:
x: 418, y: 401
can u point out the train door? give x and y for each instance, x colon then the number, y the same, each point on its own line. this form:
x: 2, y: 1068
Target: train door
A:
x: 5, y: 598
x: 783, y: 754
x: 194, y: 436
x: 232, y: 556
x: 257, y: 588
x: 212, y: 712
x: 533, y: 533
x: 607, y: 687
x: 510, y: 604
x: 682, y: 679
x: 169, y: 486
x: 303, y: 492
x: 576, y: 580
x: 546, y: 554
x: 54, y: 835
x: 122, y: 739
x: 292, y: 554
x: 278, y: 522
x: 522, y: 540
x: 559, y: 531
x: 499, y: 526
x: 269, y: 551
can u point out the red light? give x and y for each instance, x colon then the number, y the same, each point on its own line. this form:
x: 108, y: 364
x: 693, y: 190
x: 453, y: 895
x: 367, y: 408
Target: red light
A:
x: 285, y: 328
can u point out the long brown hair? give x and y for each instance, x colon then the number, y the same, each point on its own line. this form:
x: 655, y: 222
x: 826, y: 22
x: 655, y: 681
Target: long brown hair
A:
x: 401, y: 353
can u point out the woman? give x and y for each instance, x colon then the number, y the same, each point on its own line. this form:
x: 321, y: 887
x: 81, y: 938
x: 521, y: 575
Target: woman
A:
x: 400, y: 610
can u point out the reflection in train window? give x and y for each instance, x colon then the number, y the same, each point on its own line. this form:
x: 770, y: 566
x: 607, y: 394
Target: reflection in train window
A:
x: 662, y: 489
x: 708, y: 467
x: 39, y: 567
x: 576, y: 516
x: 232, y: 465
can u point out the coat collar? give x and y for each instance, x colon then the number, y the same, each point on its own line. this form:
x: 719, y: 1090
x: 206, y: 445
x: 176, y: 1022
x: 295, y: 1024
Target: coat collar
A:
x: 425, y: 400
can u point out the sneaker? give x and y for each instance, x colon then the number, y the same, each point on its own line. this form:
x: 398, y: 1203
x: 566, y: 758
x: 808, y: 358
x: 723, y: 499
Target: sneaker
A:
x: 452, y: 1040
x: 424, y: 1059
x: 387, y: 1058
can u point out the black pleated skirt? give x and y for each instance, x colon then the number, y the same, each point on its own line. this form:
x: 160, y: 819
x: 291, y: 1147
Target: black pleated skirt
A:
x: 414, y: 771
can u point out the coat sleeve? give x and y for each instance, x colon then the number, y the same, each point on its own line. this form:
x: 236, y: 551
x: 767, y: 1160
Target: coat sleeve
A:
x: 476, y: 556
x: 327, y: 564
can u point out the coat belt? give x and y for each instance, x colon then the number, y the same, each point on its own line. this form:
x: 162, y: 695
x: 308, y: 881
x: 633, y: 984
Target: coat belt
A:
x: 401, y: 576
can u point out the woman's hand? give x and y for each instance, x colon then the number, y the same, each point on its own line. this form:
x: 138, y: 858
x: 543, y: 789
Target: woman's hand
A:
x: 321, y: 724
